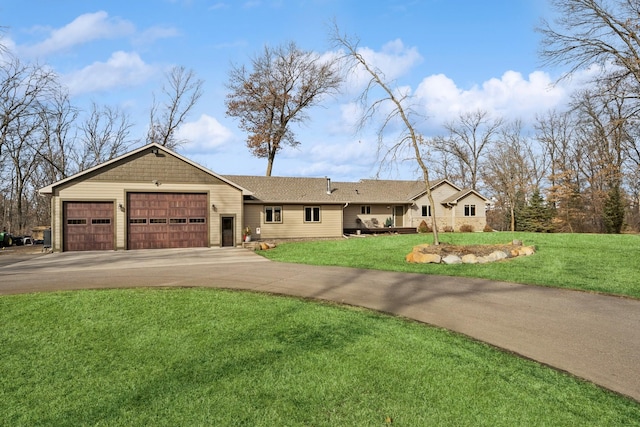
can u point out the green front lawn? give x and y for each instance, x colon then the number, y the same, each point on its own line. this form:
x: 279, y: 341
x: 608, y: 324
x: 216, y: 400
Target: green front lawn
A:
x: 590, y: 262
x: 192, y: 357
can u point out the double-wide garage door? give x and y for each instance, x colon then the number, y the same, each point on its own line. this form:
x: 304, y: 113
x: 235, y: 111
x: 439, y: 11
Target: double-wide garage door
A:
x: 88, y: 226
x: 167, y: 220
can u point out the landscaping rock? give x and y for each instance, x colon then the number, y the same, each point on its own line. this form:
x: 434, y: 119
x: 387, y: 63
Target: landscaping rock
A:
x: 469, y: 259
x: 452, y: 259
x: 422, y: 258
x: 526, y: 251
x: 497, y: 256
x: 468, y: 254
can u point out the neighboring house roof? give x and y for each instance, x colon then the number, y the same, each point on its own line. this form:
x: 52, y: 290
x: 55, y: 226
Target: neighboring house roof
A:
x: 455, y: 198
x: 49, y: 188
x: 273, y: 189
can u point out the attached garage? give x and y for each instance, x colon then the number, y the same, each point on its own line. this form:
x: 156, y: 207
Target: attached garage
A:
x: 149, y: 198
x: 88, y: 226
x: 167, y: 220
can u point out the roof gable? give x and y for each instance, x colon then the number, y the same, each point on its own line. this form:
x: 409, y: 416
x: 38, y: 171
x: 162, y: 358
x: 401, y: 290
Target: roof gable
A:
x: 454, y: 199
x: 138, y: 165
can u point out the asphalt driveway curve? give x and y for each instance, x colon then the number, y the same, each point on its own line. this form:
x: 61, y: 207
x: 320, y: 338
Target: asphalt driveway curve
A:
x: 595, y: 337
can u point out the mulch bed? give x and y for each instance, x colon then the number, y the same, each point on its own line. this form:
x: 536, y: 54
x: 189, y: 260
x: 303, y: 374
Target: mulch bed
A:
x: 444, y: 249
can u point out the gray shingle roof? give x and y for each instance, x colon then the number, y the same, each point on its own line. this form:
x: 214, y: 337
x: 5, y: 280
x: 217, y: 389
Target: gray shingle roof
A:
x: 273, y: 189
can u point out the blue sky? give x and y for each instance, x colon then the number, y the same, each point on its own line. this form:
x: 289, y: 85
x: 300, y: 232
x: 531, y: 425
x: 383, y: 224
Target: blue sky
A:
x: 453, y: 55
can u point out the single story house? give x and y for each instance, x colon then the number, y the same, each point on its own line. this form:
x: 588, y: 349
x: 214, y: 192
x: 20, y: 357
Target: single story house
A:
x: 154, y: 198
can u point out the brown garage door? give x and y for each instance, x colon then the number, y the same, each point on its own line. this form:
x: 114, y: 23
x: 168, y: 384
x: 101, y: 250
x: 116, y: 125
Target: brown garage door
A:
x: 166, y: 220
x: 88, y: 226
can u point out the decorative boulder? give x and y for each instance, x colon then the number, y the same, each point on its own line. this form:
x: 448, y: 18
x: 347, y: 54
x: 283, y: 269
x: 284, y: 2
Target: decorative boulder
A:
x: 470, y: 259
x: 496, y: 256
x: 452, y: 259
x: 526, y: 251
x: 422, y: 258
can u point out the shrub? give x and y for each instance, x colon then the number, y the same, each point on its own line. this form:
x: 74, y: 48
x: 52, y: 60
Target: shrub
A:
x: 424, y: 227
x: 466, y: 228
x: 448, y: 229
x: 487, y: 228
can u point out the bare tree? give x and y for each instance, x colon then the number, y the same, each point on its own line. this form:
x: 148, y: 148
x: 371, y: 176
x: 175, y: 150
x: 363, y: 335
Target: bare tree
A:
x: 284, y: 82
x: 508, y: 169
x: 57, y: 122
x: 399, y: 111
x: 602, y: 32
x: 470, y: 136
x: 103, y: 136
x: 25, y: 92
x: 603, y: 129
x: 23, y: 89
x: 181, y: 92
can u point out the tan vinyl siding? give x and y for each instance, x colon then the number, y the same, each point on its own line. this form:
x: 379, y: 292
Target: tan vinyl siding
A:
x: 380, y: 212
x: 442, y: 214
x: 145, y: 167
x: 477, y: 221
x: 227, y: 200
x: 450, y: 217
x: 293, y: 224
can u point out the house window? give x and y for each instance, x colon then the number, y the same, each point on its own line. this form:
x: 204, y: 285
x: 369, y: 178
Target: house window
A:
x: 469, y: 210
x: 312, y: 214
x: 77, y: 221
x: 426, y: 210
x: 365, y: 210
x: 273, y: 214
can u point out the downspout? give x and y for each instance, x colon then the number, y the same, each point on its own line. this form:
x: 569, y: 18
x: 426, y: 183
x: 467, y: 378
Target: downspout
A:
x: 342, y: 219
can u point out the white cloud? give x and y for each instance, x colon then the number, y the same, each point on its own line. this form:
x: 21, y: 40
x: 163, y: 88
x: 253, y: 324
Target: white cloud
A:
x: 394, y: 60
x: 152, y: 34
x: 122, y: 69
x: 85, y: 28
x: 511, y: 96
x: 205, y: 134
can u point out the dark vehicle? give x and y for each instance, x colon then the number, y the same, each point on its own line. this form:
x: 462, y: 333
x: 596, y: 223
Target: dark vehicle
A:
x: 18, y: 241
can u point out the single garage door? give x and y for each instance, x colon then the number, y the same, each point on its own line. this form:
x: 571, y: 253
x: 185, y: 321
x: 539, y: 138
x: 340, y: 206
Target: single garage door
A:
x: 88, y: 226
x: 167, y: 220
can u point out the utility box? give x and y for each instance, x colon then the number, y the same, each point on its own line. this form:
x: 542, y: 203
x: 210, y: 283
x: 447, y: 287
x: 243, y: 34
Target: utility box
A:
x: 47, y: 238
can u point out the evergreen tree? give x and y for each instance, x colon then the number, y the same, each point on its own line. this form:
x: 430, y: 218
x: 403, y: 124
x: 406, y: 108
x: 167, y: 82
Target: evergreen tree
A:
x: 613, y: 212
x: 535, y: 216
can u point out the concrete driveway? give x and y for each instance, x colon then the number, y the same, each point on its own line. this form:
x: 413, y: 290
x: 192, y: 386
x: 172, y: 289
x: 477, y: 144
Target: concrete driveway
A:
x: 595, y: 337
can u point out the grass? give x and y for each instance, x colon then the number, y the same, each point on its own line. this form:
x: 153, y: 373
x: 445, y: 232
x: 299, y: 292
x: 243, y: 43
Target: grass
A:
x: 210, y: 357
x: 589, y: 262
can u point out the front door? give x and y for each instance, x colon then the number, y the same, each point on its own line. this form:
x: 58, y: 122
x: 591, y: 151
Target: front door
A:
x: 398, y: 213
x: 227, y: 231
